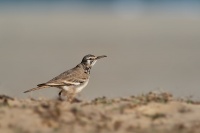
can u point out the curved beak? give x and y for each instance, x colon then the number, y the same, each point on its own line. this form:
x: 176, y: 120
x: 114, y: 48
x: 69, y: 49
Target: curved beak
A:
x: 102, y: 56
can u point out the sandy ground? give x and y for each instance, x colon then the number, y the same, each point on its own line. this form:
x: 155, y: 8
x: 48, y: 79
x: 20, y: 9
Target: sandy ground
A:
x: 149, y: 113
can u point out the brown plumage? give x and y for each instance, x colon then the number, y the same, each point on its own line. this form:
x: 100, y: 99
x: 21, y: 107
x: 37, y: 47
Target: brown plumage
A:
x: 73, y: 80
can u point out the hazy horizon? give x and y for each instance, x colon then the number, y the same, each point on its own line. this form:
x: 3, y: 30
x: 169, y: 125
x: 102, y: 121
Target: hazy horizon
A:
x: 148, y: 48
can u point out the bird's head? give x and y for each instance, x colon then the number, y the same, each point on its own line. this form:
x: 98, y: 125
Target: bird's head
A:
x: 89, y: 60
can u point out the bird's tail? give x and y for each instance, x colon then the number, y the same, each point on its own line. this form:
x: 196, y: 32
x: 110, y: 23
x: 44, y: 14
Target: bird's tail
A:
x: 37, y: 88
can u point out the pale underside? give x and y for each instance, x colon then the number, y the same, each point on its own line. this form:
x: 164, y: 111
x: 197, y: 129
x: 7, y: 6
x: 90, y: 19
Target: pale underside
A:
x: 76, y: 88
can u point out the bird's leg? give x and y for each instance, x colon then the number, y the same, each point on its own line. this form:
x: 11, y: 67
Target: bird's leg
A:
x: 60, y: 95
x: 71, y: 94
x: 72, y: 98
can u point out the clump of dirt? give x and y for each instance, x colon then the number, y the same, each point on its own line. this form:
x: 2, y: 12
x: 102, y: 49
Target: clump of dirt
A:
x: 148, y: 113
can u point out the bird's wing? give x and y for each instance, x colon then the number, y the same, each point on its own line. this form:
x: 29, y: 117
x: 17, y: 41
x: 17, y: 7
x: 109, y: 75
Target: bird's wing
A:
x: 72, y: 77
x: 63, y: 83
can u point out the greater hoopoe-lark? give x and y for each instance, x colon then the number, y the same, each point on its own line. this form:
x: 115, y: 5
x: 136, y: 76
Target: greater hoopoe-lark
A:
x: 72, y: 81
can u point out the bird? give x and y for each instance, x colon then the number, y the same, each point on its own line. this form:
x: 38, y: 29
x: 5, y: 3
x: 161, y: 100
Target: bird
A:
x: 71, y: 81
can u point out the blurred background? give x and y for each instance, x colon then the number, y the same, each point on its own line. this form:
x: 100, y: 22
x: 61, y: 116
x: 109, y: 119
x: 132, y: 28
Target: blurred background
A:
x: 151, y: 45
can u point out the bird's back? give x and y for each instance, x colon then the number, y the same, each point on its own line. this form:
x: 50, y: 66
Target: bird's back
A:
x: 71, y: 75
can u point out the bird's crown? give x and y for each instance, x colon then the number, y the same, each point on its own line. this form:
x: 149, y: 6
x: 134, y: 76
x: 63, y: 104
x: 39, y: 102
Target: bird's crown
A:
x: 89, y: 60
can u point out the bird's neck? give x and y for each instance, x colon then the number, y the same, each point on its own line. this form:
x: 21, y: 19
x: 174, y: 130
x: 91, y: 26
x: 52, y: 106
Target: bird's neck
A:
x: 86, y: 68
